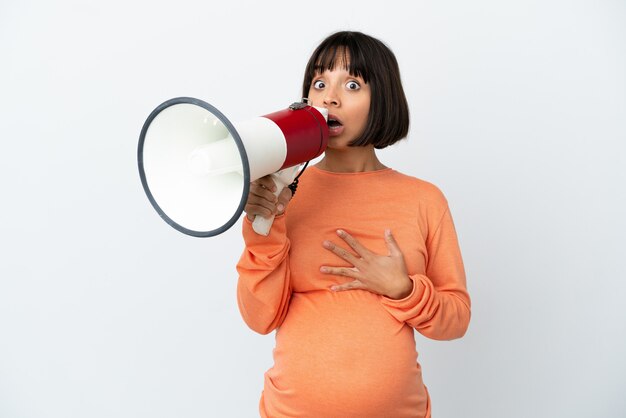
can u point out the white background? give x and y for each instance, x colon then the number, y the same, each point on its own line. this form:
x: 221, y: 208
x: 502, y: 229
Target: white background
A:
x: 518, y: 115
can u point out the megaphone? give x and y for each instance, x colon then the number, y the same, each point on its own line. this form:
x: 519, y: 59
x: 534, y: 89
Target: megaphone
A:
x: 196, y: 166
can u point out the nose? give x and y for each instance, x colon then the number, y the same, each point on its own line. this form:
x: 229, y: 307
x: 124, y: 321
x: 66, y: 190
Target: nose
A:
x: 331, y: 98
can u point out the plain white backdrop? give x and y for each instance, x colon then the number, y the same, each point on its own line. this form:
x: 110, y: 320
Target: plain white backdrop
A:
x: 518, y: 114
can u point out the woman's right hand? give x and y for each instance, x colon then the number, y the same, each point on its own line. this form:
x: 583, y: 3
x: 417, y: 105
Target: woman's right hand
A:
x: 263, y: 202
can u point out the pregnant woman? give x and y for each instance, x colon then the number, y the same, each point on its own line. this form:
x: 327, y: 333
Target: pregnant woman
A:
x: 361, y: 258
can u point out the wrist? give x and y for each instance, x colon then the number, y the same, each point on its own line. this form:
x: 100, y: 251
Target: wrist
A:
x: 404, y: 290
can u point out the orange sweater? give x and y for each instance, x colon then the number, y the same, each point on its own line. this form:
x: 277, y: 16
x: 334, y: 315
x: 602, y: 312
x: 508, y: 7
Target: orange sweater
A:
x: 351, y: 353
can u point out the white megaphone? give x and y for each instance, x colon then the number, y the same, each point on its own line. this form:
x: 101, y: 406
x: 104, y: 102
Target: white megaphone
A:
x: 196, y: 167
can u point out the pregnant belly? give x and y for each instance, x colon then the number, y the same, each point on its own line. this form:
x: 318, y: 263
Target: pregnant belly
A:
x: 342, y: 354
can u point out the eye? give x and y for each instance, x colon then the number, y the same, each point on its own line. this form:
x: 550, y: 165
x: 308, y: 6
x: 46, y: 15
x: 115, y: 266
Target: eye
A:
x: 319, y: 84
x: 353, y: 85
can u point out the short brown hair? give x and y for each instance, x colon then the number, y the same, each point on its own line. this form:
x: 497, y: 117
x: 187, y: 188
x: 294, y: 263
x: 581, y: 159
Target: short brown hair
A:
x: 366, y: 57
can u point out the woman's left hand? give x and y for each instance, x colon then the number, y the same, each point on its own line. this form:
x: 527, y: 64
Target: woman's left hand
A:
x: 382, y: 274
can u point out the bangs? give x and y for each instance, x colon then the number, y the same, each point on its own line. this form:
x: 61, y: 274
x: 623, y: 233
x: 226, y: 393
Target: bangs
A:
x: 342, y: 51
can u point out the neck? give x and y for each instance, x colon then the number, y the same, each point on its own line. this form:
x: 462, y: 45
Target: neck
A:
x: 350, y: 160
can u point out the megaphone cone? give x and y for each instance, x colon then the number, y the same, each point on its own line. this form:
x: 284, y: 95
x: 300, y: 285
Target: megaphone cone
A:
x: 196, y: 166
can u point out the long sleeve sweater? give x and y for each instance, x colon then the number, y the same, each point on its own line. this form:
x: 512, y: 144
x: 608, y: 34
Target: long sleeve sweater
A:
x: 351, y: 353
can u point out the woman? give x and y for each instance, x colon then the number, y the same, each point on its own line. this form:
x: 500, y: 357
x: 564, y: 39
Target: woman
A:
x: 359, y: 259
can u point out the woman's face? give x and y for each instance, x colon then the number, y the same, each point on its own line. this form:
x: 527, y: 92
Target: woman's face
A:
x: 347, y: 99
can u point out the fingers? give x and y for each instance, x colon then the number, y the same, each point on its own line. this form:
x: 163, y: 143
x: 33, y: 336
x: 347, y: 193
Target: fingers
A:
x: 341, y: 271
x: 256, y: 210
x: 262, y: 200
x: 371, y: 271
x: 266, y: 182
x: 262, y: 193
x: 392, y: 245
x: 353, y: 243
x: 346, y: 255
x: 347, y: 286
x: 261, y: 197
x: 283, y: 199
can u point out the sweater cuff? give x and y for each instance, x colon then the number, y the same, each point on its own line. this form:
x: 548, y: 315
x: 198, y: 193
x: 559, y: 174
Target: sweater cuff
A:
x: 412, y: 299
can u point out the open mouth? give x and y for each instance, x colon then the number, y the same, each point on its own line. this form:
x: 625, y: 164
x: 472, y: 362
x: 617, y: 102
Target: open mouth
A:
x: 333, y: 122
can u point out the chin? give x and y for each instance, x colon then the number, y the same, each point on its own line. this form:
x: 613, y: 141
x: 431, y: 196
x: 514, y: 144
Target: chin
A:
x: 338, y: 143
x: 338, y: 147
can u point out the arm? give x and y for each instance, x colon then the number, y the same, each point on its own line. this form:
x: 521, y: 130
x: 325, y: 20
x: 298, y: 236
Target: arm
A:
x: 438, y: 307
x: 263, y: 289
